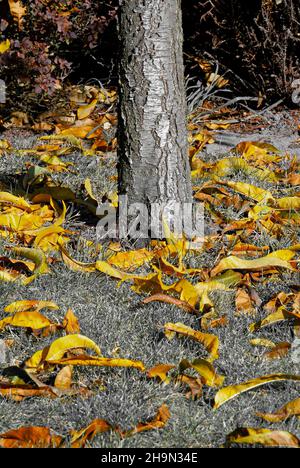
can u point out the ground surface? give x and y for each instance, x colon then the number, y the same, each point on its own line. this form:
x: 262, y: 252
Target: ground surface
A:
x: 114, y: 318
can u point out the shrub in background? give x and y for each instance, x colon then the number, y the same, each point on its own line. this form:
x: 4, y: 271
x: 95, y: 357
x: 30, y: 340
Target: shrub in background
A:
x: 52, y: 40
x: 258, y: 41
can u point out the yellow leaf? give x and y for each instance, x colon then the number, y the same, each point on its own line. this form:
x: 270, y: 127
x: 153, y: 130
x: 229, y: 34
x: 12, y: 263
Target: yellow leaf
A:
x: 227, y: 165
x: 132, y: 259
x: 49, y: 238
x: 288, y: 203
x: 210, y: 342
x: 251, y: 191
x: 20, y: 222
x: 75, y: 265
x: 59, y: 347
x: 279, y: 258
x: 23, y: 306
x: 29, y: 319
x: 4, y: 46
x: 86, y: 360
x: 266, y: 437
x: 109, y: 270
x: 207, y: 372
x: 39, y: 259
x: 160, y: 371
x: 280, y: 315
x: 227, y: 393
x: 11, y: 200
x: 256, y: 148
x: 84, y: 111
x: 262, y: 342
x: 290, y: 409
x: 88, y: 188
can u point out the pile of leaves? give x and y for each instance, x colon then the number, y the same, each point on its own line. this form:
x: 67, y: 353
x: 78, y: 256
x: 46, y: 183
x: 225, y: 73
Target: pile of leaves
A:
x: 254, y: 238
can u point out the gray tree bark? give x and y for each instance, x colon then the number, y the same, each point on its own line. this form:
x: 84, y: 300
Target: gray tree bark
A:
x: 152, y: 136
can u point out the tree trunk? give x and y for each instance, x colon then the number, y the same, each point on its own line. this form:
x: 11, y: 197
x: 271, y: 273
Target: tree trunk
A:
x: 152, y: 137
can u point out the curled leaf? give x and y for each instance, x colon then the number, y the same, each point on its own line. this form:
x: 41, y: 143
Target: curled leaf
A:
x: 279, y: 258
x: 210, y: 342
x: 227, y: 393
x: 290, y: 409
x: 59, y: 347
x: 30, y: 437
x: 266, y: 437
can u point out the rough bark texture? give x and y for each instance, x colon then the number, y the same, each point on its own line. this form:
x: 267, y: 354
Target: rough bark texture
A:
x: 153, y: 147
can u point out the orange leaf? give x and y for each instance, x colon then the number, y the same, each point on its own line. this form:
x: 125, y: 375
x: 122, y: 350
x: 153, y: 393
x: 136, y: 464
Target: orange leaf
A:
x: 71, y: 323
x: 80, y: 438
x: 158, y: 422
x: 30, y: 437
x: 63, y: 380
x: 160, y: 371
x: 243, y: 303
x: 171, y: 300
x: 280, y: 351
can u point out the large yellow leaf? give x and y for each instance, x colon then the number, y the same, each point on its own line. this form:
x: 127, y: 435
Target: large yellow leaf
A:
x: 20, y: 222
x: 59, y: 347
x: 227, y: 165
x: 4, y: 46
x: 210, y: 342
x: 251, y: 191
x: 192, y: 293
x: 257, y: 149
x: 290, y: 409
x: 23, y: 306
x: 29, y: 319
x: 132, y: 259
x: 279, y: 258
x: 227, y: 393
x: 11, y: 200
x: 266, y: 437
x: 49, y: 238
x: 288, y: 203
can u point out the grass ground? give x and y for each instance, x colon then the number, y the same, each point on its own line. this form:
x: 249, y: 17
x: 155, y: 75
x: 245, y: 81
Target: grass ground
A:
x: 116, y: 320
